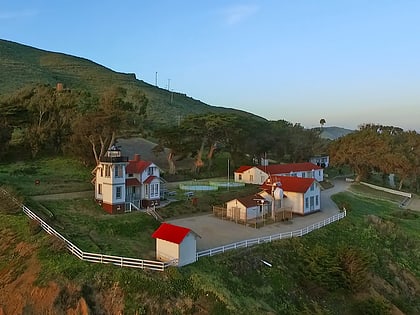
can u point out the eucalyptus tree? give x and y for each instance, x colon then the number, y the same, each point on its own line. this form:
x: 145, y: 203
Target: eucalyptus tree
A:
x: 97, y: 126
x: 43, y: 113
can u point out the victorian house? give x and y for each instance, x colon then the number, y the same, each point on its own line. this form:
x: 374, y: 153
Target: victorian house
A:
x: 122, y: 185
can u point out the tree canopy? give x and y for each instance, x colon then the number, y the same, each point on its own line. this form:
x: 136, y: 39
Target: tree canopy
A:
x: 385, y: 149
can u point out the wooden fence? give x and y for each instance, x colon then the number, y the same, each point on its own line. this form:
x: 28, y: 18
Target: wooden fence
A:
x: 267, y: 239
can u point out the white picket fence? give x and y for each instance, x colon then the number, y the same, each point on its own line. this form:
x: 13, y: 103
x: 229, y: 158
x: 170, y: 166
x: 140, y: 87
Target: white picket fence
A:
x: 267, y: 239
x: 99, y: 258
x: 161, y: 266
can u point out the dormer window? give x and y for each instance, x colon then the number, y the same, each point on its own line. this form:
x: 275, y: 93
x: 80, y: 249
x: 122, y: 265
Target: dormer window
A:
x: 150, y: 171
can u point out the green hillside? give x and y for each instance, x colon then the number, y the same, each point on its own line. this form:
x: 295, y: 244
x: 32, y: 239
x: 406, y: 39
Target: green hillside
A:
x: 22, y: 65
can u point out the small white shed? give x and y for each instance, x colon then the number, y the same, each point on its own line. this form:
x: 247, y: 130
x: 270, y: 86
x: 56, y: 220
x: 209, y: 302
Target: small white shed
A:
x: 176, y: 242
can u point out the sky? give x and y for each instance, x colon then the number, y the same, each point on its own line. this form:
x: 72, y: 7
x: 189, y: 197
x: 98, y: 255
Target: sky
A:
x: 349, y: 62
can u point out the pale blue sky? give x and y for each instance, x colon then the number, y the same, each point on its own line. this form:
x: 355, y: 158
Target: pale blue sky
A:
x: 349, y: 62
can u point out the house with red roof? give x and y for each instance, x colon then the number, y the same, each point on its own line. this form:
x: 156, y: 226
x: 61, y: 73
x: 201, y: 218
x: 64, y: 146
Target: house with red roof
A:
x: 298, y: 195
x: 302, y: 195
x: 175, y: 243
x: 122, y: 184
x: 258, y: 174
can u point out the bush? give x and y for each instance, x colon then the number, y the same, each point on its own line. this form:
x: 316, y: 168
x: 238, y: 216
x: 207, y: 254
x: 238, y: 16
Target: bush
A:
x: 34, y: 227
x: 9, y: 201
x: 373, y: 306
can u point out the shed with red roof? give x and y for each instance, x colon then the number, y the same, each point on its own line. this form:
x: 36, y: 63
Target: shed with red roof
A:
x: 177, y: 243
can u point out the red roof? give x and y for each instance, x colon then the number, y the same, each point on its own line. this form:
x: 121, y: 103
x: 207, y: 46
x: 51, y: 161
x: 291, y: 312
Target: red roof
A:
x: 243, y: 169
x: 132, y: 182
x: 149, y: 179
x: 282, y: 168
x: 171, y: 233
x: 137, y: 167
x: 288, y: 168
x: 289, y: 183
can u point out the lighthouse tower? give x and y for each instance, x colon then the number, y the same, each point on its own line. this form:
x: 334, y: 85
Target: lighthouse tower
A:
x: 110, y: 181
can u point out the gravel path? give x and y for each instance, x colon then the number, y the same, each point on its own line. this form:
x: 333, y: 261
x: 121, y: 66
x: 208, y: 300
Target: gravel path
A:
x: 215, y: 232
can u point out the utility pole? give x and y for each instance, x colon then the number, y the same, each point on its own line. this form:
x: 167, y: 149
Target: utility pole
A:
x: 169, y: 84
x: 156, y: 79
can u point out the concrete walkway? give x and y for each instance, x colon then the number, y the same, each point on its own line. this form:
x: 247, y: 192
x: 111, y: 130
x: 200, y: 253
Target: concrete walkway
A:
x: 216, y: 232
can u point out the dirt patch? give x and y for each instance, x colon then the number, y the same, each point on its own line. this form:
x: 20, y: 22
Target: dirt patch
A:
x: 19, y: 294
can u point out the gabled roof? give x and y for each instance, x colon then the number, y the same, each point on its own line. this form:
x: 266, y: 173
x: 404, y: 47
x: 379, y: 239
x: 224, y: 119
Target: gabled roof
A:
x: 289, y: 168
x: 132, y: 182
x: 243, y: 169
x: 171, y: 233
x: 289, y: 183
x: 137, y: 167
x: 149, y: 179
x: 250, y: 201
x: 282, y: 168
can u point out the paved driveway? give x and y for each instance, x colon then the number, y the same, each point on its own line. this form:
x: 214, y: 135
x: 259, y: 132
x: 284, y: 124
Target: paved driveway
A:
x: 215, y: 232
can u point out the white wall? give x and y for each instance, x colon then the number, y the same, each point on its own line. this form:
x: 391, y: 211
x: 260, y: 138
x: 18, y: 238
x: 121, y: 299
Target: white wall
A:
x: 166, y: 251
x: 187, y: 250
x: 251, y: 176
x: 295, y: 201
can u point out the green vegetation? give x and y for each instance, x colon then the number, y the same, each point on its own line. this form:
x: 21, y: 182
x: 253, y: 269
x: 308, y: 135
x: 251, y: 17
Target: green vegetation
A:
x: 22, y: 65
x: 367, y: 263
x: 380, y: 150
x: 46, y: 176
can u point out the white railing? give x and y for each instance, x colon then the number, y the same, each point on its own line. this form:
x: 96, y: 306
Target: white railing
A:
x: 99, y: 258
x: 388, y: 190
x: 270, y: 238
x: 93, y: 257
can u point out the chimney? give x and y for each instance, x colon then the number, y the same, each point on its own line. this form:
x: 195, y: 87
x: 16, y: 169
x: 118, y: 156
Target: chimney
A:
x: 137, y: 157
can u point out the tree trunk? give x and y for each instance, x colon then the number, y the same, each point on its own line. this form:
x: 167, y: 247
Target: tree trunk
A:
x: 210, y: 155
x: 198, y: 162
x: 170, y: 159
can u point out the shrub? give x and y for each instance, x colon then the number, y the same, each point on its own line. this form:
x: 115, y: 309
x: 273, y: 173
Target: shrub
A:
x: 34, y: 227
x: 372, y: 306
x: 9, y: 201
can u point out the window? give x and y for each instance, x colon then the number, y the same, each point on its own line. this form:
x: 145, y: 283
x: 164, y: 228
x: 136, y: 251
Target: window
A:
x: 102, y: 171
x: 118, y: 192
x: 146, y: 190
x: 251, y: 178
x: 312, y: 186
x: 240, y: 177
x: 117, y: 170
x: 306, y: 202
x: 99, y: 189
x: 107, y: 171
x: 316, y: 200
x: 150, y: 171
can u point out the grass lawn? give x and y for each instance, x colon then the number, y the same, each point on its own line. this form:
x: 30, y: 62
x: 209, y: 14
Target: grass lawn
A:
x: 55, y: 175
x: 369, y: 260
x: 84, y: 223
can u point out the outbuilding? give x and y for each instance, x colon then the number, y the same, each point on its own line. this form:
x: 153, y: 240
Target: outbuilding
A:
x: 176, y: 243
